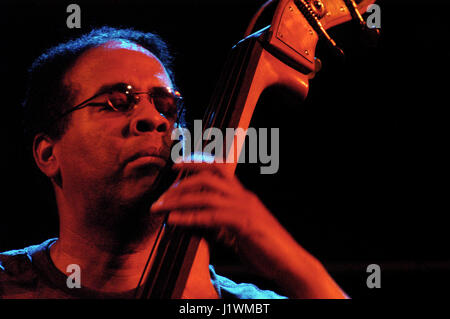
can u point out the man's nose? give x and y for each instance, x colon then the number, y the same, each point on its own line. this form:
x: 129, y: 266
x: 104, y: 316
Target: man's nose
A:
x: 147, y: 119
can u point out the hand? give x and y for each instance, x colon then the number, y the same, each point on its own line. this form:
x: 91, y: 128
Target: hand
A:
x: 211, y: 199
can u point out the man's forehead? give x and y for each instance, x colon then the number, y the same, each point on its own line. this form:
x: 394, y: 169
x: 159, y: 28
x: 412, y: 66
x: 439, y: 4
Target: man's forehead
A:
x: 128, y: 45
x: 117, y: 58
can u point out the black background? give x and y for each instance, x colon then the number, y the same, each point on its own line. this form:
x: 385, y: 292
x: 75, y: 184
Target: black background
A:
x: 362, y: 161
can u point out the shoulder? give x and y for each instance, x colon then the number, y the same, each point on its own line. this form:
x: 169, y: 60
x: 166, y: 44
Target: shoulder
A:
x: 16, y: 267
x: 227, y: 288
x: 14, y: 262
x: 17, y: 262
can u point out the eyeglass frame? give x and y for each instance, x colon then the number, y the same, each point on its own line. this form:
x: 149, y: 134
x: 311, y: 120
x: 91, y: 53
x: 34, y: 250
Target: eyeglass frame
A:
x: 176, y: 94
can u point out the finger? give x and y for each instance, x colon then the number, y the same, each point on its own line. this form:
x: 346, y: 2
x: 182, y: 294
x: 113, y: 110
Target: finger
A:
x: 220, y: 169
x: 203, y: 218
x: 213, y: 225
x: 196, y: 157
x: 189, y: 202
x: 204, y: 182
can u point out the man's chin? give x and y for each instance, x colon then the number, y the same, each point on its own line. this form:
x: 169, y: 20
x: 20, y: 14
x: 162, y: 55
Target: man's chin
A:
x: 145, y: 188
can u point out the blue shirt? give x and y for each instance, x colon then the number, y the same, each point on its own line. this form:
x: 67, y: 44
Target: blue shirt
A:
x: 29, y: 273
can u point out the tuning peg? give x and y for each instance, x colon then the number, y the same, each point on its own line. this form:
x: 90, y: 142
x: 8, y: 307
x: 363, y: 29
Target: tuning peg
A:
x: 370, y: 36
x: 317, y: 68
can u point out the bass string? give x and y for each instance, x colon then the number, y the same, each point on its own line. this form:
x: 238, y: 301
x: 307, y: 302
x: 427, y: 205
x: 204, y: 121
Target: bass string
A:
x: 219, y: 107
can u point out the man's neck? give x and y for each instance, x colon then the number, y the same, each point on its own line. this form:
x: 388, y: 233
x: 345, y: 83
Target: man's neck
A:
x: 111, y: 263
x: 106, y: 265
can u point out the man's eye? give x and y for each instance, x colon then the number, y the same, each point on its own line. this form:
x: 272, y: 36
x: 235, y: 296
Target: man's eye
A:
x: 166, y: 105
x: 105, y: 107
x: 119, y: 101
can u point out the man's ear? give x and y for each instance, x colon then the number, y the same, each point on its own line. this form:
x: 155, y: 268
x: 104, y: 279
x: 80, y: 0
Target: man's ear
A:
x: 44, y: 155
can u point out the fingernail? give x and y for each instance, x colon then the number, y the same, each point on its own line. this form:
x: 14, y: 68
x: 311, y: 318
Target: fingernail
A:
x: 157, y: 204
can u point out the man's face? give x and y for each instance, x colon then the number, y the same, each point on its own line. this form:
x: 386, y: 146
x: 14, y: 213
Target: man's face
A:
x: 112, y: 154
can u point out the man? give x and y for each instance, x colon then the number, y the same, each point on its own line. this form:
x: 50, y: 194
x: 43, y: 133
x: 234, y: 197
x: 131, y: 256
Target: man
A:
x: 100, y: 113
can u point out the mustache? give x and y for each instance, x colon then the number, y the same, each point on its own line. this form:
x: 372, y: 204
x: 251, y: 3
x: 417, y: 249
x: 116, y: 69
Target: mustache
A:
x: 162, y: 152
x: 147, y: 146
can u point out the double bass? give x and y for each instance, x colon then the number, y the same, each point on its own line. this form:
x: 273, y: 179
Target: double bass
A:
x: 280, y: 54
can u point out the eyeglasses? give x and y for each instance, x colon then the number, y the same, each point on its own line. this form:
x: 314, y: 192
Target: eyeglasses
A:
x: 122, y: 98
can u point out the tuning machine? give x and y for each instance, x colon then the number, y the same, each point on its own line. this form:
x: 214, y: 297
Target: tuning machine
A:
x: 318, y: 7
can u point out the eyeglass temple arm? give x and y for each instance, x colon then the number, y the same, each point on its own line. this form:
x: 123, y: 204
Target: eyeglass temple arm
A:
x: 80, y: 105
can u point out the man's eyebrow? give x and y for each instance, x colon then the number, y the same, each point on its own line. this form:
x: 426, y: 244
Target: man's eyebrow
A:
x: 109, y: 87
